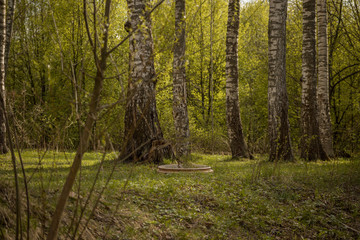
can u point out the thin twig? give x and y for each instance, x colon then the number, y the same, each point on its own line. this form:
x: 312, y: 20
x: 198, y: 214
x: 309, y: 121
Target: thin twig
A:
x: 89, y: 196
x: 107, y: 183
x: 13, y: 158
x: 26, y: 188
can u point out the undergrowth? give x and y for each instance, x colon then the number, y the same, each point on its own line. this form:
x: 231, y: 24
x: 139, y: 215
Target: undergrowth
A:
x: 245, y: 199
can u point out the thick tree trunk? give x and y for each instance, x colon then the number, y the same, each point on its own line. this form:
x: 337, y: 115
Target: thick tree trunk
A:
x: 180, y: 112
x: 311, y: 147
x: 278, y: 105
x: 236, y: 138
x: 279, y: 130
x: 323, y: 81
x: 143, y: 136
x: 3, y: 145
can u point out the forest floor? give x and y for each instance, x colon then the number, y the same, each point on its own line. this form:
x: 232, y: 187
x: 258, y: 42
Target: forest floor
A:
x: 245, y: 199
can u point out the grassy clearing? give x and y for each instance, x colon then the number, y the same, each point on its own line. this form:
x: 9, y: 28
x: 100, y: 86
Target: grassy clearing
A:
x: 240, y: 200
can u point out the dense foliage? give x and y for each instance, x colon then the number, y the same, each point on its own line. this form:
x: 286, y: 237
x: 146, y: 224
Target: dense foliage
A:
x: 51, y: 72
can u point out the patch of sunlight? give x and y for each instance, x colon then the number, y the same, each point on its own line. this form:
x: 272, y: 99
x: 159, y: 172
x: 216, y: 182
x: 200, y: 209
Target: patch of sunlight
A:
x: 53, y: 159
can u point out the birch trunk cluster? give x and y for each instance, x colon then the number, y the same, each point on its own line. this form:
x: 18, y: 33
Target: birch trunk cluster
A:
x: 311, y: 147
x: 235, y: 132
x: 278, y: 104
x: 180, y: 112
x: 143, y: 136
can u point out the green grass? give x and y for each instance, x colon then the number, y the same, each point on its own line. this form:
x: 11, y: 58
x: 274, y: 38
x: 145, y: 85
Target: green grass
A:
x: 247, y: 199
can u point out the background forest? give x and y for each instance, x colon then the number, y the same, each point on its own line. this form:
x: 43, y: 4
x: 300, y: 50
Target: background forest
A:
x: 117, y: 73
x: 51, y: 71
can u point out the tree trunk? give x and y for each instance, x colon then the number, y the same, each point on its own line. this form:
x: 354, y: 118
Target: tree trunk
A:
x: 9, y: 27
x: 311, y: 147
x: 211, y: 75
x: 236, y: 138
x: 3, y: 145
x: 143, y: 136
x: 279, y: 130
x: 202, y: 59
x: 180, y: 112
x: 323, y: 81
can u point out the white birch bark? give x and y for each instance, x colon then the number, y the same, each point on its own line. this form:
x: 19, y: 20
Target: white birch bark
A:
x: 323, y: 80
x: 279, y: 130
x: 142, y: 128
x: 3, y: 145
x: 311, y: 148
x: 235, y: 132
x: 180, y: 112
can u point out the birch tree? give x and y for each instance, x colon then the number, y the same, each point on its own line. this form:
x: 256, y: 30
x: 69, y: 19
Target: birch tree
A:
x: 3, y: 145
x: 144, y: 138
x: 311, y: 147
x: 278, y: 104
x: 235, y: 132
x: 323, y: 80
x: 180, y: 112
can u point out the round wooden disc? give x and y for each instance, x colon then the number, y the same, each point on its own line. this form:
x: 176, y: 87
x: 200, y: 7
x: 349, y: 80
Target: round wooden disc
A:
x: 174, y: 168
